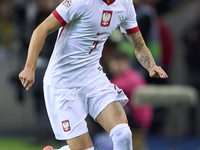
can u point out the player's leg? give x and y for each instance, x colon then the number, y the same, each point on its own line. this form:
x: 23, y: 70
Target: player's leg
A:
x: 67, y: 116
x: 113, y: 119
x: 82, y: 142
x: 105, y: 106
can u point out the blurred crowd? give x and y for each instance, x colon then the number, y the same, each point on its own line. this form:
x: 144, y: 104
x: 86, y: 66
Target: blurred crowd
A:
x: 18, y: 19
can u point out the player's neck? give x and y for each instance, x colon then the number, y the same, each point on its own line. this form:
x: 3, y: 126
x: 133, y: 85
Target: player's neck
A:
x: 108, y: 1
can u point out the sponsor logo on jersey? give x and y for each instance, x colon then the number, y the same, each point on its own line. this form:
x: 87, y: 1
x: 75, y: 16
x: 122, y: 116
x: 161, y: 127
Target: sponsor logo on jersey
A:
x: 66, y: 126
x: 117, y: 89
x: 106, y: 18
x: 67, y: 4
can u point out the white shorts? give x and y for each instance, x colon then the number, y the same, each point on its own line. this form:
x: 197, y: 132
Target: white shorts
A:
x: 68, y: 108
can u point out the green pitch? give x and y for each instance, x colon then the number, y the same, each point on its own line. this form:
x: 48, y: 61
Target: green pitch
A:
x: 18, y: 143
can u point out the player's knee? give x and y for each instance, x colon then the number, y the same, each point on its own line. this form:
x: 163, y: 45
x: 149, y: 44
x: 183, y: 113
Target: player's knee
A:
x: 121, y: 134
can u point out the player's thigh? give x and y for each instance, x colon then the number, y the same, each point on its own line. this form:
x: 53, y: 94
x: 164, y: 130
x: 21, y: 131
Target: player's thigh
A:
x: 81, y: 142
x: 112, y: 115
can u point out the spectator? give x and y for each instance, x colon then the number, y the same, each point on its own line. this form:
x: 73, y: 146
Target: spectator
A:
x: 5, y: 24
x: 192, y: 43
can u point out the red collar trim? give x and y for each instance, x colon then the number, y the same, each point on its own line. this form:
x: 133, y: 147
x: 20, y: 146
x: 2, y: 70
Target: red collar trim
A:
x: 109, y: 3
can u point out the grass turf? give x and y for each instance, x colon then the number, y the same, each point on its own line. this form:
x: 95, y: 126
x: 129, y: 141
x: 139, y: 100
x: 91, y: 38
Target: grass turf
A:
x: 20, y: 143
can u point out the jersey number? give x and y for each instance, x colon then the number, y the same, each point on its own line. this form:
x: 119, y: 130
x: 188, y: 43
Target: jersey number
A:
x: 95, y: 46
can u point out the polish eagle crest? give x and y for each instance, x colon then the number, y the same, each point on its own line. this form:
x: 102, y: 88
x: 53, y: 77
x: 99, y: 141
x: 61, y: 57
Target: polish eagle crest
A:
x: 106, y: 18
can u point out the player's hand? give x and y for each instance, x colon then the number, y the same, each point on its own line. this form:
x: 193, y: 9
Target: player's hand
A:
x: 157, y: 72
x: 27, y: 78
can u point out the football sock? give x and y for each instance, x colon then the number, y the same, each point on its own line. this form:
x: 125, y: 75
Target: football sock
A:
x: 122, y: 137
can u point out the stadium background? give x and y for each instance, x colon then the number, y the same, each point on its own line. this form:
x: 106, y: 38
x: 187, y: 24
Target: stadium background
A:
x: 18, y: 116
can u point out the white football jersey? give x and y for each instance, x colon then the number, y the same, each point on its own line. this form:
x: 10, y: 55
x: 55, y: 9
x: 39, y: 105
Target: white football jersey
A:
x: 86, y: 26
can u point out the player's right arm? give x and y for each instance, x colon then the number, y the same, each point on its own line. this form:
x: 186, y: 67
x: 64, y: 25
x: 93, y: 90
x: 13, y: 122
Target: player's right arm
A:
x: 49, y: 25
x: 144, y: 55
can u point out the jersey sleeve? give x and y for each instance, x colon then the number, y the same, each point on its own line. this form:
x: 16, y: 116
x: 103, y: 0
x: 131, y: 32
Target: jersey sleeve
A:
x: 68, y: 11
x: 130, y: 25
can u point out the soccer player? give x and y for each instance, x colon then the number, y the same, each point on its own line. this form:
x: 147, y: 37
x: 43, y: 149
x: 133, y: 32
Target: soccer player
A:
x: 74, y: 83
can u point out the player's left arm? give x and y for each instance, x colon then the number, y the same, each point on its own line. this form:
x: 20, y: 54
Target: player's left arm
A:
x: 144, y: 55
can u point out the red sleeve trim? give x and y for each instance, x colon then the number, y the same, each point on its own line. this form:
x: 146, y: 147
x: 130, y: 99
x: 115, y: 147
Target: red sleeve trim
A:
x: 59, y: 18
x: 133, y: 30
